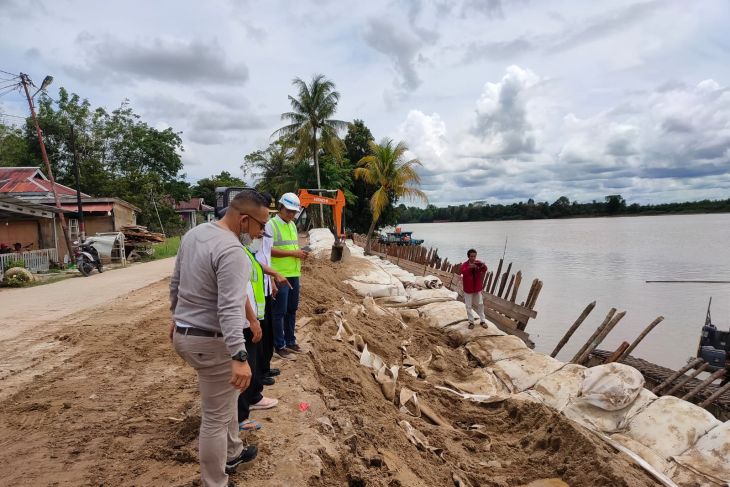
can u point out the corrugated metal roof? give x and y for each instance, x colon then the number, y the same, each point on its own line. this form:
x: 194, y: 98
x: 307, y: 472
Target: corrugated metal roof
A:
x: 196, y: 204
x: 29, y: 180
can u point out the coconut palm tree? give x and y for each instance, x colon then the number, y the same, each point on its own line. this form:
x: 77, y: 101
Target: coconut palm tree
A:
x: 311, y: 125
x: 395, y: 177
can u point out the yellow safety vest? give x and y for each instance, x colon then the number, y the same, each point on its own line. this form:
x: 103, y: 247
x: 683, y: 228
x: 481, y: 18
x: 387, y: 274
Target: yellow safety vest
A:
x: 285, y: 238
x: 257, y: 283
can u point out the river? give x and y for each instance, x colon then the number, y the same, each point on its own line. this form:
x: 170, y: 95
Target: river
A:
x: 608, y: 260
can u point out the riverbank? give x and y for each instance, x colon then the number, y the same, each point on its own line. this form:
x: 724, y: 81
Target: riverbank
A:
x: 116, y: 406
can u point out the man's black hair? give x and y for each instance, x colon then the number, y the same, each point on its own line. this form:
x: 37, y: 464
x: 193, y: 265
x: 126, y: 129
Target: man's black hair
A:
x: 249, y: 196
x: 268, y: 197
x: 470, y: 251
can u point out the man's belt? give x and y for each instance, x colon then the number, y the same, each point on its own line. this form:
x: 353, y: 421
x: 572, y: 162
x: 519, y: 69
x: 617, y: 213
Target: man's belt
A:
x: 197, y: 332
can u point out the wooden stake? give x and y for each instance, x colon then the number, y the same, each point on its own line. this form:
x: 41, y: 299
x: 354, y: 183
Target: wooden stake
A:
x: 691, y: 365
x: 509, y: 286
x: 611, y: 324
x: 600, y: 328
x: 615, y: 355
x: 643, y: 334
x: 535, y: 294
x: 573, y: 328
x: 496, y: 277
x: 719, y: 392
x: 504, y: 280
x: 686, y: 379
x: 518, y: 280
x: 716, y: 375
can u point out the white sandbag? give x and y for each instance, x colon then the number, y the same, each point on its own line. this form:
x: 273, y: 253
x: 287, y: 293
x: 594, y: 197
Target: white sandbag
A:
x: 611, y: 386
x: 428, y: 282
x: 670, y: 426
x: 598, y: 419
x: 684, y: 476
x: 321, y: 241
x: 709, y: 457
x: 522, y: 372
x: 373, y: 308
x: 373, y: 275
x: 443, y: 314
x: 650, y: 456
x: 556, y: 390
x: 481, y: 382
x: 460, y: 333
x: 422, y: 294
x: 374, y: 290
x: 491, y: 349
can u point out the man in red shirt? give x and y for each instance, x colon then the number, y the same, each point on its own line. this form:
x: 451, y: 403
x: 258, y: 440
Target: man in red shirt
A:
x: 472, y: 272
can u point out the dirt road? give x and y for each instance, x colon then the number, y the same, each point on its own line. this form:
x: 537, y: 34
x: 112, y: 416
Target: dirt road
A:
x: 27, y: 309
x: 103, y: 400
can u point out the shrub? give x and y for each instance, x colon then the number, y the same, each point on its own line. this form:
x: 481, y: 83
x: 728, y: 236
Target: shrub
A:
x: 17, y: 277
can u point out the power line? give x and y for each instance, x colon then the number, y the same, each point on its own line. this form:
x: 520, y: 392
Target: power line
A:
x: 14, y: 75
x: 14, y: 116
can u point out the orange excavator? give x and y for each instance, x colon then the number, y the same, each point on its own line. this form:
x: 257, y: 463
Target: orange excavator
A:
x: 306, y: 198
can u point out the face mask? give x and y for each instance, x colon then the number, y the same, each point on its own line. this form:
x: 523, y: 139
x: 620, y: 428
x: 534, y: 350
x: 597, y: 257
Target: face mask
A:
x: 255, y: 245
x: 244, y: 237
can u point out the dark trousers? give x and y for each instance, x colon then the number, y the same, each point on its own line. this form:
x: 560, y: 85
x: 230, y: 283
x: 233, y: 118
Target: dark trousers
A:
x: 285, y: 314
x: 267, y: 340
x: 252, y: 395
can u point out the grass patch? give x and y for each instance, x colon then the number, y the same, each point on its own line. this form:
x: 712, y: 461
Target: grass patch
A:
x: 166, y: 249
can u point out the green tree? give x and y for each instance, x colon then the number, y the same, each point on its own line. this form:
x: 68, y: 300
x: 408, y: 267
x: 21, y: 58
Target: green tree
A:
x: 357, y: 146
x: 205, y: 188
x: 273, y: 168
x: 14, y: 150
x: 394, y: 176
x: 311, y: 126
x: 615, y: 203
x: 119, y: 155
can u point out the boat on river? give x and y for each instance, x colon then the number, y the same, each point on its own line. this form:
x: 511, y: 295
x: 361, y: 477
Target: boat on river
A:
x: 399, y: 237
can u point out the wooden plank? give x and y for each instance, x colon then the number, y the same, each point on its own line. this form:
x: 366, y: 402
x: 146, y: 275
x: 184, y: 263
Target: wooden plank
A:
x: 515, y: 311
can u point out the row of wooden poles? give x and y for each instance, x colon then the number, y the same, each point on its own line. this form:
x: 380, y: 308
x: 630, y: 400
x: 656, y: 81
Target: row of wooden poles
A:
x: 623, y: 351
x: 504, y: 285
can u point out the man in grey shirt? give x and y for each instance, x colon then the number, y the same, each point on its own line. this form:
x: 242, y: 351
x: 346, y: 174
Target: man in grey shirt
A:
x: 207, y: 300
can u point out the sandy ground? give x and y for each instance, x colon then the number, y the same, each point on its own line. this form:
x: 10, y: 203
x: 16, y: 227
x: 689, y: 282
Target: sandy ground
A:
x: 102, y: 399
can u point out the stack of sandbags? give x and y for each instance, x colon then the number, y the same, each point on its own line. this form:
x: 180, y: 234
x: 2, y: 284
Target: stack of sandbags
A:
x: 708, y: 459
x: 375, y: 282
x: 321, y: 241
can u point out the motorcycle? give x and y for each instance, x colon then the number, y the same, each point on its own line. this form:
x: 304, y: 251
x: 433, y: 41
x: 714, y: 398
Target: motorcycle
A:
x: 87, y: 257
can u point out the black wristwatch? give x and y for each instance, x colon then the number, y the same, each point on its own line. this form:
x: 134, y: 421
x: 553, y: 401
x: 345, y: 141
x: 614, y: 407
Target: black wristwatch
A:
x: 241, y: 356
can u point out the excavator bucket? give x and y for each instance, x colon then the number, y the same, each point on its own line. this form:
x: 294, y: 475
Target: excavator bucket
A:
x: 339, y: 251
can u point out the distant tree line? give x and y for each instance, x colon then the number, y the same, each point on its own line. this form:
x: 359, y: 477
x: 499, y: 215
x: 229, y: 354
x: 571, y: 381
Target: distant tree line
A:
x: 612, y: 205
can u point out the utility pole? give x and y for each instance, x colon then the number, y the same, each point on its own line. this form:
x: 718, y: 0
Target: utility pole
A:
x: 26, y: 81
x: 82, y: 226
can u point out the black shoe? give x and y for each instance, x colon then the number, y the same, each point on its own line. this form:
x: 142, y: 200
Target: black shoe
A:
x: 272, y: 372
x: 247, y: 455
x: 268, y: 381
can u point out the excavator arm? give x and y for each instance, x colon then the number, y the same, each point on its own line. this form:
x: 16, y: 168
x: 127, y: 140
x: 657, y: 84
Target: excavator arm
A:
x: 337, y: 203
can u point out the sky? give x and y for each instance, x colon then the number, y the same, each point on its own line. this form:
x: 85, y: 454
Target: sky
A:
x: 501, y: 100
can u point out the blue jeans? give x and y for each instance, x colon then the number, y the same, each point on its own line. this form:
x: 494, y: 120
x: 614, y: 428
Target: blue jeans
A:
x: 285, y: 314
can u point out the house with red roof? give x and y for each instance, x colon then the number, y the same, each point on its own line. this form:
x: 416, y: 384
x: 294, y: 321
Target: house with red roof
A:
x: 194, y: 212
x: 29, y: 184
